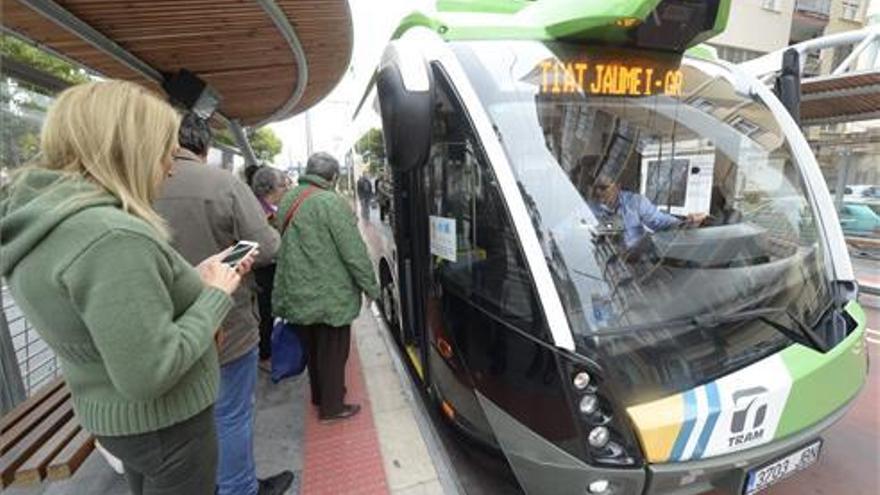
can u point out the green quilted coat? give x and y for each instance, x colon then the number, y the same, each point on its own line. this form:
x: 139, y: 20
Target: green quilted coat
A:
x: 323, y: 265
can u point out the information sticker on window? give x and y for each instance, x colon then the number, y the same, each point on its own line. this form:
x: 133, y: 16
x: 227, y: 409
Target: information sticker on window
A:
x: 442, y: 238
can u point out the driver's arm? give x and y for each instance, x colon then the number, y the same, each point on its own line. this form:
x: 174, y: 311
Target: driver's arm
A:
x: 655, y: 219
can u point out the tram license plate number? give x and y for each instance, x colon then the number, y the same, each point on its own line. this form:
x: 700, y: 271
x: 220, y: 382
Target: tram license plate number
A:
x: 762, y: 477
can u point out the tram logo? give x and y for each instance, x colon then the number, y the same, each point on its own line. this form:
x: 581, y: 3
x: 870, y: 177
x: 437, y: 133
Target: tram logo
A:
x: 748, y: 417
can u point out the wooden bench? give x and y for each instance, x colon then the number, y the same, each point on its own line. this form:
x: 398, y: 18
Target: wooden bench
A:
x: 41, y: 439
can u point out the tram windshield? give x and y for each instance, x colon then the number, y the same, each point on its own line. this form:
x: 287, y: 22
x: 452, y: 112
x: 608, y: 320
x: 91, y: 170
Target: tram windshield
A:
x: 667, y: 201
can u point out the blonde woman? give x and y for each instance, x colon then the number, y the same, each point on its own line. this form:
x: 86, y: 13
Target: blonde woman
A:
x: 131, y: 322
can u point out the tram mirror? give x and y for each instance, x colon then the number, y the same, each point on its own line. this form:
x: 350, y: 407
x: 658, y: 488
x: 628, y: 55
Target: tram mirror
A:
x: 788, y: 84
x: 405, y: 89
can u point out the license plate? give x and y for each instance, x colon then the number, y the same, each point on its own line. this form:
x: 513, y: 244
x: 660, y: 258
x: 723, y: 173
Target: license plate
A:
x: 769, y: 474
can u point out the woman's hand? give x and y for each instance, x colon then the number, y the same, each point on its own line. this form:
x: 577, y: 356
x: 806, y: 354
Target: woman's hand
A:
x: 215, y: 273
x: 244, y: 266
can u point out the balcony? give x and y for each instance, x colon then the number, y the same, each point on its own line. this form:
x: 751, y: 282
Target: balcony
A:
x: 809, y: 19
x: 814, y: 8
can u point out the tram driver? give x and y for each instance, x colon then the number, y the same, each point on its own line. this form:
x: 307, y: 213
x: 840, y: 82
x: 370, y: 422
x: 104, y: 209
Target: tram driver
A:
x: 634, y: 214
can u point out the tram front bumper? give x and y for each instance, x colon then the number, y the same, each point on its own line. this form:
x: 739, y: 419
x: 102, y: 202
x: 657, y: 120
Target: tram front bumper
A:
x: 728, y: 473
x: 543, y: 468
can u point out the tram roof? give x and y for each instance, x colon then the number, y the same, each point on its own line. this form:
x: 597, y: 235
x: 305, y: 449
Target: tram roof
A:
x: 673, y: 25
x: 267, y: 59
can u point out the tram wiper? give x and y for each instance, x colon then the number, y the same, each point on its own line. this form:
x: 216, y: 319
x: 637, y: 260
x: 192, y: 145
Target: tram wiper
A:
x: 713, y: 320
x: 697, y: 321
x: 804, y: 335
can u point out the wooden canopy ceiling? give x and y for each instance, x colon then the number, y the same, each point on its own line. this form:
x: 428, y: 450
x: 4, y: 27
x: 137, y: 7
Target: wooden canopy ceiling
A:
x: 233, y: 45
x: 846, y: 97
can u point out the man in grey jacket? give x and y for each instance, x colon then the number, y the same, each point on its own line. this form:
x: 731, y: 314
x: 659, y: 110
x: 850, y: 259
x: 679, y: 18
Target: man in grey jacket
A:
x: 208, y: 210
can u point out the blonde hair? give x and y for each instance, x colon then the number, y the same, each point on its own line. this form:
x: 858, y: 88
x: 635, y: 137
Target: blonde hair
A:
x: 116, y: 134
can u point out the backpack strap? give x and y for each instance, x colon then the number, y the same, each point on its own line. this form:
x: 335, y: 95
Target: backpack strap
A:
x: 295, y: 206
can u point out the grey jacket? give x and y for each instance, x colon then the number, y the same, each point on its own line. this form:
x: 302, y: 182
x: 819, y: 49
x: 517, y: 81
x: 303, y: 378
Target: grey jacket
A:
x: 208, y: 209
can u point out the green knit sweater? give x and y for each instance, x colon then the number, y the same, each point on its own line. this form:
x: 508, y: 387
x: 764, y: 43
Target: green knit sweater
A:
x: 130, y: 320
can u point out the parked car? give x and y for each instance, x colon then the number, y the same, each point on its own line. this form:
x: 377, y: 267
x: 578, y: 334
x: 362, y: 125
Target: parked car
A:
x: 861, y: 193
x: 859, y: 219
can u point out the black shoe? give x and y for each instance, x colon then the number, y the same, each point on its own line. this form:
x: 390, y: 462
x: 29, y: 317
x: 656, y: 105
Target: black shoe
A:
x: 348, y: 410
x: 276, y: 485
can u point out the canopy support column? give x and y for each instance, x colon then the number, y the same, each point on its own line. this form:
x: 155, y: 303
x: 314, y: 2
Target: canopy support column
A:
x: 243, y: 143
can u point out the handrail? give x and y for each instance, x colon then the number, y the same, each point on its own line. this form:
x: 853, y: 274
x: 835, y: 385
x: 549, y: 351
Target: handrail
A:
x: 769, y: 65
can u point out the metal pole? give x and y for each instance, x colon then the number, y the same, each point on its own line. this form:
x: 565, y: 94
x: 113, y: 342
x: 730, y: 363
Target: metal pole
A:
x: 243, y: 144
x: 309, y: 144
x: 842, y: 176
x: 11, y: 385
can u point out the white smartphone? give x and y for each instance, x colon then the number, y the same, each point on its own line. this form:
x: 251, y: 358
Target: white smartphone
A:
x: 239, y: 252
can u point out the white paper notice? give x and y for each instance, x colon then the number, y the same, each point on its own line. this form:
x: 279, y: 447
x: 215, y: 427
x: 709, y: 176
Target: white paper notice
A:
x: 442, y: 237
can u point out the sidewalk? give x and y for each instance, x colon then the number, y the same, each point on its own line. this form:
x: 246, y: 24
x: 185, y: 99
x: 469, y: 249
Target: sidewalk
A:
x: 382, y: 450
x: 386, y: 449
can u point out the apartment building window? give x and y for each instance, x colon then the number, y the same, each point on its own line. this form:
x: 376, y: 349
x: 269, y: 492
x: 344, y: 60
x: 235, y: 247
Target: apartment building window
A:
x: 770, y: 5
x: 851, y: 9
x: 736, y: 55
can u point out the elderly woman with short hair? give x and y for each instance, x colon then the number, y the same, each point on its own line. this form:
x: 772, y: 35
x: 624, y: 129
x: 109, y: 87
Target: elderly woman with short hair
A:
x: 269, y: 185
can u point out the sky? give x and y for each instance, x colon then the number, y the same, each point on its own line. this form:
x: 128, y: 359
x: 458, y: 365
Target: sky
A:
x: 330, y: 118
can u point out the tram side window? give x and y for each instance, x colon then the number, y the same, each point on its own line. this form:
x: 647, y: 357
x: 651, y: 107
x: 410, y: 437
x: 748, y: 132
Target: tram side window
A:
x: 489, y: 270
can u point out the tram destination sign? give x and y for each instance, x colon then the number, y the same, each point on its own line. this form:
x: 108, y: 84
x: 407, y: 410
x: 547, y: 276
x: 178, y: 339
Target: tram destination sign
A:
x: 609, y: 77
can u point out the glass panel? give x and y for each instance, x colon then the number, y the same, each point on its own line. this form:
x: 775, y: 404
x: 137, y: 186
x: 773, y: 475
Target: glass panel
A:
x: 489, y: 270
x: 22, y: 110
x: 663, y: 195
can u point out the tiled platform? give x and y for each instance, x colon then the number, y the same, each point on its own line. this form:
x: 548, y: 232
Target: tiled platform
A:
x: 343, y: 456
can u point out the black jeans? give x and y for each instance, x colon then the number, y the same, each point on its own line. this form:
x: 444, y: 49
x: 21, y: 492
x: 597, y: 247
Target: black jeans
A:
x: 265, y: 278
x: 178, y: 460
x: 328, y: 351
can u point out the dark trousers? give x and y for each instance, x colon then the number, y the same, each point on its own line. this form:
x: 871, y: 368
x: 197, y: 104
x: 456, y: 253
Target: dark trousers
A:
x: 265, y: 278
x: 365, y: 208
x: 178, y: 460
x: 328, y: 351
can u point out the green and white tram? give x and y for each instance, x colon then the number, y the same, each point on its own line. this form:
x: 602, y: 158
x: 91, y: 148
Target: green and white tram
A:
x: 607, y: 254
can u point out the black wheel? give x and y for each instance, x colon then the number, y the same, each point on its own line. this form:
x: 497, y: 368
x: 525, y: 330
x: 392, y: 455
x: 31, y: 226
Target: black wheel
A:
x: 387, y: 303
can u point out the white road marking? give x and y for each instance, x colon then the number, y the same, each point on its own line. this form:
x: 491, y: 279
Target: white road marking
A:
x: 873, y: 341
x: 873, y: 332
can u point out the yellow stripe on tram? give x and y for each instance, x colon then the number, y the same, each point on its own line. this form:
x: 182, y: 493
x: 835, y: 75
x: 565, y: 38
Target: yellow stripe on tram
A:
x: 416, y: 361
x: 658, y: 424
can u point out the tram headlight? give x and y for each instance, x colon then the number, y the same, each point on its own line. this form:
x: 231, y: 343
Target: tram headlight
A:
x: 598, y: 486
x: 598, y: 437
x: 581, y: 380
x: 607, y: 437
x: 588, y: 404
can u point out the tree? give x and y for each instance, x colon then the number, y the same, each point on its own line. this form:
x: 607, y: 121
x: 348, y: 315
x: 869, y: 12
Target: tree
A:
x: 372, y: 147
x: 265, y: 143
x: 22, y: 105
x: 30, y: 55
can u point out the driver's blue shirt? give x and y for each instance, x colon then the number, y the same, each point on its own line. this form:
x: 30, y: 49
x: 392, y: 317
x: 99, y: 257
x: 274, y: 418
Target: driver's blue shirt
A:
x: 637, y: 214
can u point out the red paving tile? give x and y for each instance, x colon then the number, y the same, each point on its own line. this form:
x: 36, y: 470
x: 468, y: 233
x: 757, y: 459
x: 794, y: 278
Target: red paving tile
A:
x: 344, y: 457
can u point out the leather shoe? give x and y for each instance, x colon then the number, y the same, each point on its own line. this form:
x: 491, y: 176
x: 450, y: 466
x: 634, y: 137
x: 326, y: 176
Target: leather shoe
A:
x: 348, y: 410
x: 276, y: 485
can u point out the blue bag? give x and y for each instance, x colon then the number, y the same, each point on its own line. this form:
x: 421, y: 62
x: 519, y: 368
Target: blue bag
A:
x: 288, y: 355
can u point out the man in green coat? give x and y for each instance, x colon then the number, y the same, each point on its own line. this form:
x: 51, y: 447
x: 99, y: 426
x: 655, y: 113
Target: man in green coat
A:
x: 323, y: 267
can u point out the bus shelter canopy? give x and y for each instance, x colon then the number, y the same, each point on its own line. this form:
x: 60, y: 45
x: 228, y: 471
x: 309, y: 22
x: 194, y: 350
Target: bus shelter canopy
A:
x: 268, y: 59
